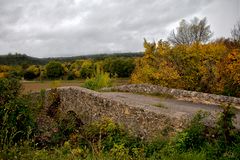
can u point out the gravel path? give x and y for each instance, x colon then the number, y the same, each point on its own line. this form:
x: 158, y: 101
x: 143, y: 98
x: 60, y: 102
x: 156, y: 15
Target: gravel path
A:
x: 171, y: 106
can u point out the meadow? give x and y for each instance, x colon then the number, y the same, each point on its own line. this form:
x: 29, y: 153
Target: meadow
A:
x: 36, y: 86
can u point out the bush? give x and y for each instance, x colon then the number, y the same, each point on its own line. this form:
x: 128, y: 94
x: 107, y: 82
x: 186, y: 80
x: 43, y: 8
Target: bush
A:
x: 31, y: 72
x: 122, y: 67
x: 225, y: 127
x: 100, y: 80
x: 54, y: 70
x: 9, y: 89
x: 193, y: 137
x: 16, y: 121
x: 70, y: 76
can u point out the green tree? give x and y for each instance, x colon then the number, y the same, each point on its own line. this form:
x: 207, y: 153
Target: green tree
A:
x: 54, y: 69
x: 122, y: 67
x: 125, y: 67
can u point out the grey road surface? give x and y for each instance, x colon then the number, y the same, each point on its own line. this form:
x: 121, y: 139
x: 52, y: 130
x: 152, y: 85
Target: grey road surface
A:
x: 171, y: 106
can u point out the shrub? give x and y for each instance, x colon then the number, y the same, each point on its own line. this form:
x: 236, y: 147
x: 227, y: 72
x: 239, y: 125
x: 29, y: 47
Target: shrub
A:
x: 100, y: 80
x: 67, y: 126
x: 193, y: 137
x: 70, y: 76
x: 9, y: 89
x: 31, y: 72
x: 122, y: 67
x: 54, y: 70
x: 225, y: 127
x: 16, y: 121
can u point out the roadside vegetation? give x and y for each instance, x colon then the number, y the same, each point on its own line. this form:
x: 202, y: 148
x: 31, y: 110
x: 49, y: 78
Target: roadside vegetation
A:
x: 23, y: 136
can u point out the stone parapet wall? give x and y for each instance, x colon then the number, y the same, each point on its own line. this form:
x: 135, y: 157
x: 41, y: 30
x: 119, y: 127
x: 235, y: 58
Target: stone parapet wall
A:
x: 185, y: 95
x: 142, y: 121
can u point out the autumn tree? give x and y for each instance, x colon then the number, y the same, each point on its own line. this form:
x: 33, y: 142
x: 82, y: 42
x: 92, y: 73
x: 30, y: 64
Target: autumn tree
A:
x: 154, y: 68
x: 229, y: 74
x: 210, y: 68
x: 197, y: 30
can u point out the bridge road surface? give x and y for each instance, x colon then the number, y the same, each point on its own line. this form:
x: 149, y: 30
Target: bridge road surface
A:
x: 169, y: 105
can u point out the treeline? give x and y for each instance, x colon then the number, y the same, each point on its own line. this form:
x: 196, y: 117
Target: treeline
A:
x: 78, y: 69
x: 24, y: 60
x: 186, y: 61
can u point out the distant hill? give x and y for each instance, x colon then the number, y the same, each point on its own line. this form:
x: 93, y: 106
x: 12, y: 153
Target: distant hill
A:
x: 21, y: 59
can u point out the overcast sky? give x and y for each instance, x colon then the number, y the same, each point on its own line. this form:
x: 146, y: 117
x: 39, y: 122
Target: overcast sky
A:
x: 48, y: 28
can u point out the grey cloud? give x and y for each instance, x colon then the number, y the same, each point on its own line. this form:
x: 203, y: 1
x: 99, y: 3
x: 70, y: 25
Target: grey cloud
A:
x: 73, y: 27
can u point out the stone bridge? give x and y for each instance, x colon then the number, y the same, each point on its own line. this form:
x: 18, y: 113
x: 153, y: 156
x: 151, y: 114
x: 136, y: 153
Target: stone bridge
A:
x: 140, y: 114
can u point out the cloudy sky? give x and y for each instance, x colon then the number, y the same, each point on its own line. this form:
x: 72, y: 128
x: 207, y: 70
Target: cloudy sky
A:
x: 47, y: 28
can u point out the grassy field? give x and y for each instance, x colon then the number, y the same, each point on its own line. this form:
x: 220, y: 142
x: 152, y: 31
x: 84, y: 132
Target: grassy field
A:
x: 33, y: 86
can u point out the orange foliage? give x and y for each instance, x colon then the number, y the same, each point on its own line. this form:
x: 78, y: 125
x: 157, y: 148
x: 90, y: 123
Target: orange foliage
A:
x: 211, y: 67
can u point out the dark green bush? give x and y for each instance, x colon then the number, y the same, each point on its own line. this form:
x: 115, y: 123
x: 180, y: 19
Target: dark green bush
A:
x: 193, y: 137
x: 9, y: 89
x: 29, y: 75
x: 68, y: 125
x: 54, y: 70
x: 122, y: 67
x: 225, y: 127
x: 16, y: 121
x: 70, y: 76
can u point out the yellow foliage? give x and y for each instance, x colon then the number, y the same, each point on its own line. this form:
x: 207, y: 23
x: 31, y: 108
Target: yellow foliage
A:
x: 153, y: 68
x: 76, y: 73
x: 3, y: 75
x: 5, y: 68
x: 211, y: 67
x: 34, y: 69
